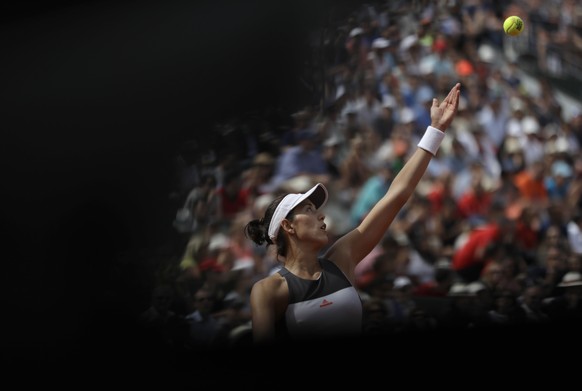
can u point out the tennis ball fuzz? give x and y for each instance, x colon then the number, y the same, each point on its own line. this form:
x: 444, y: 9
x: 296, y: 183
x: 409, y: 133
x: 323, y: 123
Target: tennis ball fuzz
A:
x: 513, y: 25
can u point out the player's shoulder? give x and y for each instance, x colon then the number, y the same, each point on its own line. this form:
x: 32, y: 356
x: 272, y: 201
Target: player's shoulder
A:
x: 273, y: 289
x: 271, y: 282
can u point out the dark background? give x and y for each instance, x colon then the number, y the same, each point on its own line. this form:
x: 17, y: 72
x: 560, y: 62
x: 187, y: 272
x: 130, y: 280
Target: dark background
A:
x: 96, y: 98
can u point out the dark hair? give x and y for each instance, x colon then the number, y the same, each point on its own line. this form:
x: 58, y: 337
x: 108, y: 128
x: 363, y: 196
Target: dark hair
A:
x: 257, y: 230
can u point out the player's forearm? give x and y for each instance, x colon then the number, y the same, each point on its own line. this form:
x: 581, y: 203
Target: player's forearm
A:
x: 409, y: 176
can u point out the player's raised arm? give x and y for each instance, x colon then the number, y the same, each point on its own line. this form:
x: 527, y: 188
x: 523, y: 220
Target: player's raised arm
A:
x: 354, y: 246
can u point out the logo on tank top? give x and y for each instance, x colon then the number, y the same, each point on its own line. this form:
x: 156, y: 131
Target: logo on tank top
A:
x: 325, y: 303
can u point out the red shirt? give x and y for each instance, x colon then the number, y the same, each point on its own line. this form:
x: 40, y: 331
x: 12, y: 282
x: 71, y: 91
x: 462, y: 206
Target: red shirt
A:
x: 471, y: 204
x: 527, y: 236
x: 231, y: 205
x: 429, y: 288
x: 479, y: 238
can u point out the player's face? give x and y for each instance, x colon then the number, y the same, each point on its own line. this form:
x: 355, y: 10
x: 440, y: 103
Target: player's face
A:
x: 308, y: 223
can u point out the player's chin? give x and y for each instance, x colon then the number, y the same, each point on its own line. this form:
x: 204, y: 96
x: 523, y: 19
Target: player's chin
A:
x: 322, y: 237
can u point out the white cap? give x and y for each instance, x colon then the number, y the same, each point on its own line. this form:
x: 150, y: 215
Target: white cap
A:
x: 486, y: 53
x: 402, y: 282
x: 317, y: 194
x: 389, y: 101
x: 356, y: 31
x: 407, y: 42
x: 406, y: 115
x: 476, y: 287
x: 514, y: 128
x: 571, y: 279
x: 218, y: 241
x: 341, y: 91
x: 458, y: 289
x: 530, y: 125
x: 380, y: 43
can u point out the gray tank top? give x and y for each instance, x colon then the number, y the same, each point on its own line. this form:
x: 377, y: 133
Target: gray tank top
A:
x: 328, y: 307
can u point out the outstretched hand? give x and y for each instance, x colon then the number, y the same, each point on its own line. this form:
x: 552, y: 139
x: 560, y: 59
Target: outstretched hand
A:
x: 442, y: 114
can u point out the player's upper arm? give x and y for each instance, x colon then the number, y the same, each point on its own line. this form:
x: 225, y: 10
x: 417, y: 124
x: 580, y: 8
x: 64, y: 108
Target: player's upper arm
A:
x: 268, y: 302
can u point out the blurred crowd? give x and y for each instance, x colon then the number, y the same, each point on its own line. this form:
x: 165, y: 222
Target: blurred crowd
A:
x: 493, y: 234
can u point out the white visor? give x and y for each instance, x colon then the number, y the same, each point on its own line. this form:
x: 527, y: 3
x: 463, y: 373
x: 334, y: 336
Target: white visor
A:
x: 317, y: 194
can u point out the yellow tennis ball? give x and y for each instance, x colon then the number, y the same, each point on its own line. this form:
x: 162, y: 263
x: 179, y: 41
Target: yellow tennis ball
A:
x: 513, y: 25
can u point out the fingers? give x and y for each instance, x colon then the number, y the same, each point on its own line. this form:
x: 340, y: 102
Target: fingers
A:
x: 453, y: 92
x: 451, y: 98
x: 456, y: 96
x: 443, y: 113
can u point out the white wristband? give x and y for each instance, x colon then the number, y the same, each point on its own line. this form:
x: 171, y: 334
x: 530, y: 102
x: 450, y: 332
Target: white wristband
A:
x: 431, y: 140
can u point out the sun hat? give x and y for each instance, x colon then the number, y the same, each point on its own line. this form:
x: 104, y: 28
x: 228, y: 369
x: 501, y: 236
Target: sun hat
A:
x: 317, y: 194
x: 571, y: 279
